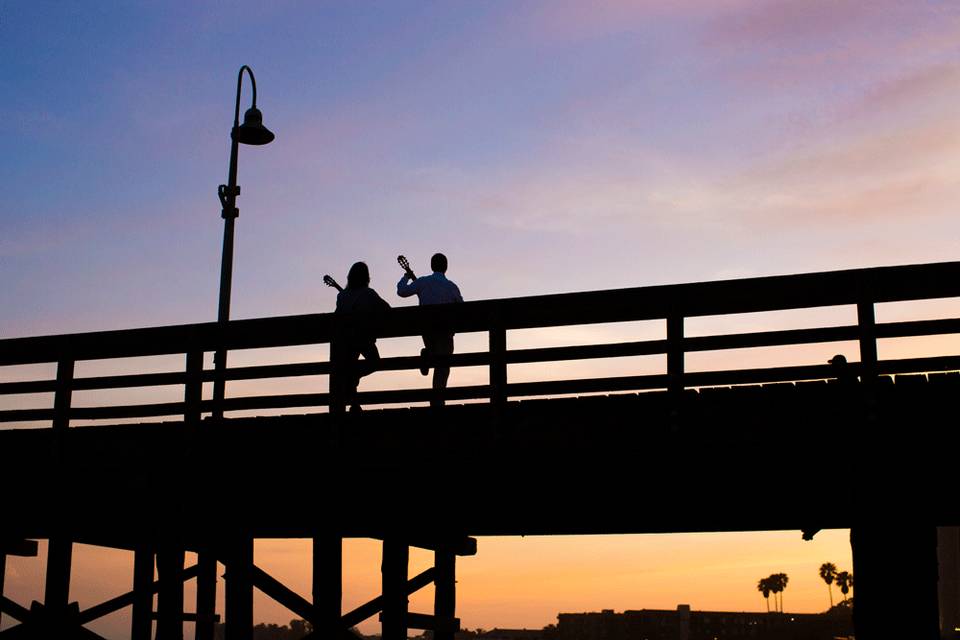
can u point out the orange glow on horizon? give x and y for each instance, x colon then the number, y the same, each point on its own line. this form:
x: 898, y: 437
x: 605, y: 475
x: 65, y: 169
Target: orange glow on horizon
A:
x: 513, y: 582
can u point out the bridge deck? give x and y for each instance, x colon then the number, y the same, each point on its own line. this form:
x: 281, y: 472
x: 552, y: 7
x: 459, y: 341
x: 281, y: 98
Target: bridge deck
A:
x: 868, y: 452
x: 777, y: 456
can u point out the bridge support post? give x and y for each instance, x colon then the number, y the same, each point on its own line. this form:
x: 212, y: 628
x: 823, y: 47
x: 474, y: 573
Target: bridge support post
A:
x: 206, y: 595
x: 170, y: 595
x: 57, y: 590
x: 3, y: 574
x: 948, y: 555
x: 396, y: 555
x: 239, y: 590
x: 445, y: 591
x: 327, y: 583
x: 141, y: 623
x: 895, y: 567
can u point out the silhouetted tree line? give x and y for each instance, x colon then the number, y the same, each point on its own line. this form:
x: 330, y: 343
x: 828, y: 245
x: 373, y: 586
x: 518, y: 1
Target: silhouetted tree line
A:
x: 844, y: 580
x: 296, y: 630
x: 299, y: 628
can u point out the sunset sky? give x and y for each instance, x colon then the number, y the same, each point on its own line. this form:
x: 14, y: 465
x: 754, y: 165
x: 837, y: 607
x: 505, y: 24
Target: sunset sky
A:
x: 544, y: 146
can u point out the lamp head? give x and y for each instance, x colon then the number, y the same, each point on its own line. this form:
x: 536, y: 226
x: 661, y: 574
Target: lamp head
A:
x: 252, y: 130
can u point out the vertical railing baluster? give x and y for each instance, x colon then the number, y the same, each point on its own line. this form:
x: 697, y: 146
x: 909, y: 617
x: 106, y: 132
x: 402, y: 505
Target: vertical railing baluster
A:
x: 63, y: 396
x: 219, y: 380
x: 336, y: 387
x: 867, y: 324
x: 675, y: 366
x: 498, y: 371
x: 193, y: 389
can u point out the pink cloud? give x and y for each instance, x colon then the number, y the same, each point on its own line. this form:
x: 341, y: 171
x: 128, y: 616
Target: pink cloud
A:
x: 830, y: 43
x: 911, y: 90
x: 789, y: 20
x: 567, y: 20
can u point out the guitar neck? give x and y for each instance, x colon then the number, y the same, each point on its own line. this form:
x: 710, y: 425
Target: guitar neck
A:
x: 330, y: 282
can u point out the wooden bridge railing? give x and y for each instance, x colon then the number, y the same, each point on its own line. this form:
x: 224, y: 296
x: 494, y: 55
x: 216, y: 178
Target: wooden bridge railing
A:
x: 862, y: 288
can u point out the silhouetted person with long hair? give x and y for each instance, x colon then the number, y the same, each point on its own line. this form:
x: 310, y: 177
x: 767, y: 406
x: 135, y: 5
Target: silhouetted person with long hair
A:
x: 433, y: 289
x: 358, y: 297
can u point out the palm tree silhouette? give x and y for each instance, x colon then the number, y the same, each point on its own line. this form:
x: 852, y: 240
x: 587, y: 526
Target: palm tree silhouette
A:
x: 778, y: 582
x: 828, y: 572
x: 764, y: 587
x: 782, y: 580
x: 845, y: 582
x: 775, y: 589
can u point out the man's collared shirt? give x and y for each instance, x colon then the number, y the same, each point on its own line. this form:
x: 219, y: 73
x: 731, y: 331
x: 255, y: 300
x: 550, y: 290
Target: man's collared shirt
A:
x: 432, y: 289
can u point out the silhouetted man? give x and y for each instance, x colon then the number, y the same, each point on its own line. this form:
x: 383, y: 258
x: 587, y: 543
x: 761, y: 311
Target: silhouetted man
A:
x: 433, y: 289
x: 358, y: 297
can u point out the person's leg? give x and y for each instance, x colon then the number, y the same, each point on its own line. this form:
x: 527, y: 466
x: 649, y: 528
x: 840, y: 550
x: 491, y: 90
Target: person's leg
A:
x: 369, y: 364
x: 440, y: 345
x: 351, y: 374
x: 371, y: 360
x: 343, y: 377
x: 425, y: 356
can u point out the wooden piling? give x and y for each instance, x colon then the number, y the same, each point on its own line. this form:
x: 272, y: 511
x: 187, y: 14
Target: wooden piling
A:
x: 445, y: 592
x: 141, y: 623
x: 239, y: 590
x: 170, y: 595
x: 327, y: 583
x: 206, y: 595
x: 396, y: 555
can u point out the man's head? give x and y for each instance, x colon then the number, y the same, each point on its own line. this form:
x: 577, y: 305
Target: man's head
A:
x: 359, y: 276
x: 438, y: 263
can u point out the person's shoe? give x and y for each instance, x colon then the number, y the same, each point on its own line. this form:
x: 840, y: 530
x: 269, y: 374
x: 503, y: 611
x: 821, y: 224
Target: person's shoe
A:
x: 424, y: 369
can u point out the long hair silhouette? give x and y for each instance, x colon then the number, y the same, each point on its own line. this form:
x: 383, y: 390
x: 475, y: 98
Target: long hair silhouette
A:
x: 359, y: 276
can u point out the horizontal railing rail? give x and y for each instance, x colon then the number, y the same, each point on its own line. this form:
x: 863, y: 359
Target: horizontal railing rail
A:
x: 862, y: 288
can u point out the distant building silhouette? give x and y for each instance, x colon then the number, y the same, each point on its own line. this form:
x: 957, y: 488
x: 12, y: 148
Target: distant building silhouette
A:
x: 686, y: 624
x: 516, y: 634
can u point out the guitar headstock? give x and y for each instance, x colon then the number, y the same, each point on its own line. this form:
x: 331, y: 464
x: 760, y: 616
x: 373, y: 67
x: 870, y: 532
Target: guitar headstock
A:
x: 405, y: 265
x: 330, y: 282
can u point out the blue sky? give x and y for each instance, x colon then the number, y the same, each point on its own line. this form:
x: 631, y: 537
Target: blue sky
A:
x: 543, y: 146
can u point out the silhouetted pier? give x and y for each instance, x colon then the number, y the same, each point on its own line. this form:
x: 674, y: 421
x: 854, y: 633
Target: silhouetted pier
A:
x: 666, y: 452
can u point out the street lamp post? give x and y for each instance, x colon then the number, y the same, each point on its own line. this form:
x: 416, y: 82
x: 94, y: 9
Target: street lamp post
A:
x: 250, y: 132
x: 239, y: 596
